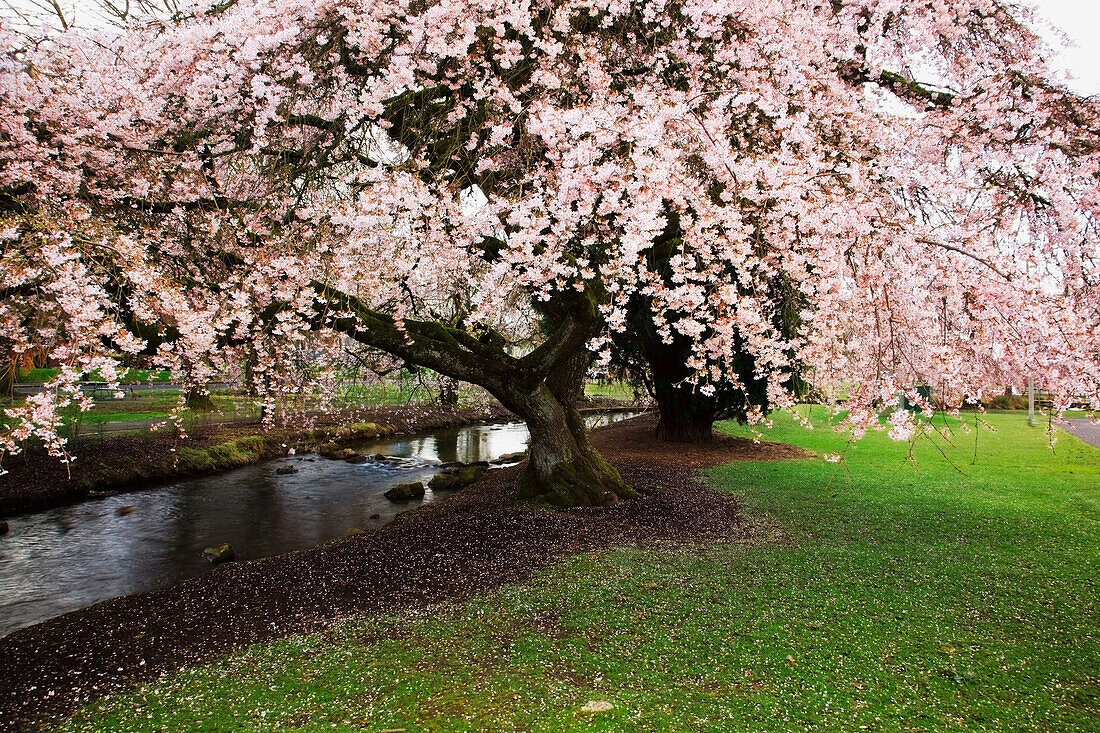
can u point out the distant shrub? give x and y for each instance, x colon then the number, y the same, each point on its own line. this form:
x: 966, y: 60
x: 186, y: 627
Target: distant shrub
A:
x: 1008, y: 402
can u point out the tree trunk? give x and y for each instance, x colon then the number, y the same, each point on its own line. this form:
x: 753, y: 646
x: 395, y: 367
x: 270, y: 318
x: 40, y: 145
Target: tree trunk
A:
x: 448, y: 392
x: 685, y: 416
x: 7, y: 379
x: 199, y: 400
x: 563, y: 468
x: 540, y: 387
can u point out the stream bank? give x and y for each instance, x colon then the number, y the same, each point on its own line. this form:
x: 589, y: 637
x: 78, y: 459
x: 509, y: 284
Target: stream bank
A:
x: 122, y: 462
x: 472, y: 541
x: 65, y: 558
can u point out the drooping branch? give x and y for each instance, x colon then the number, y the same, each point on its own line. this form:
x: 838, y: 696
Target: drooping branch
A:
x: 153, y: 206
x: 908, y: 89
x: 575, y: 321
x: 971, y: 255
x: 449, y: 351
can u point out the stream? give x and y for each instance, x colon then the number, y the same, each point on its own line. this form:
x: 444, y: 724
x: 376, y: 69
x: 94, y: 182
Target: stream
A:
x: 62, y: 559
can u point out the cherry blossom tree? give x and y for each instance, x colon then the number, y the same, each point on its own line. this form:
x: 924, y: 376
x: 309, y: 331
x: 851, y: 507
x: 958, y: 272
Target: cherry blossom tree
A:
x: 658, y: 362
x: 441, y: 180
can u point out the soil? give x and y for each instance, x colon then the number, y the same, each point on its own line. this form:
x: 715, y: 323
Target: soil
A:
x: 135, y: 460
x: 454, y: 548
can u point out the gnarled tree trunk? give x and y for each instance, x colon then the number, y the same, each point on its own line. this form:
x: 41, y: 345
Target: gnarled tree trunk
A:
x: 7, y: 378
x: 540, y: 387
x: 563, y: 468
x: 199, y: 400
x: 684, y: 416
x: 448, y: 392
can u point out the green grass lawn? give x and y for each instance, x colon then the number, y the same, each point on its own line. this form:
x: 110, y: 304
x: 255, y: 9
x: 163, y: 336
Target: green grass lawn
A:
x: 891, y: 596
x: 393, y: 394
x: 142, y: 406
x: 128, y: 376
x: 622, y: 391
x: 156, y: 404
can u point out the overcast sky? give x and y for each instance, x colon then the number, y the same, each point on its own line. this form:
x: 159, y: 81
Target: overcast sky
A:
x: 1080, y: 20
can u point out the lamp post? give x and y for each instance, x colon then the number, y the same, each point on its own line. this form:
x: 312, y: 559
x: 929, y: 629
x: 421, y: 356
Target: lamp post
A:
x: 1030, y: 401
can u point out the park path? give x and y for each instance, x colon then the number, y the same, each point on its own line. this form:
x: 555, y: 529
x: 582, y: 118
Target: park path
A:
x: 1086, y: 430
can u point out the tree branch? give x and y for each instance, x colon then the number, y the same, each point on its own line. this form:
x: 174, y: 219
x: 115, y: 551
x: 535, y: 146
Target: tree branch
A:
x: 907, y: 89
x: 971, y: 255
x: 449, y: 351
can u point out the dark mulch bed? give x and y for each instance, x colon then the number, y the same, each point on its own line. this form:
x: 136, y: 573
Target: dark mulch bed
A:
x: 448, y: 549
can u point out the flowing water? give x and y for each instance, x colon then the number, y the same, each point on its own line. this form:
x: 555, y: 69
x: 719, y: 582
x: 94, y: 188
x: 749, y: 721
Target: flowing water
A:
x: 62, y: 559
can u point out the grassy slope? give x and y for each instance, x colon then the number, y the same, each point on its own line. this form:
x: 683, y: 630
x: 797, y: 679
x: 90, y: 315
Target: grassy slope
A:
x: 157, y: 404
x: 899, y: 597
x: 612, y: 390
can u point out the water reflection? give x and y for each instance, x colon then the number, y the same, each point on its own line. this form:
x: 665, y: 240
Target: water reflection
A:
x: 67, y: 558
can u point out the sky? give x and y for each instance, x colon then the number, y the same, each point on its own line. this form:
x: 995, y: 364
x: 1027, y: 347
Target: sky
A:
x: 1080, y: 20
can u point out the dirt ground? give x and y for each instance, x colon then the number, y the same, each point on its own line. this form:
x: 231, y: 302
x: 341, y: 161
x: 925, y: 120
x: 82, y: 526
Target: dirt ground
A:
x: 470, y: 542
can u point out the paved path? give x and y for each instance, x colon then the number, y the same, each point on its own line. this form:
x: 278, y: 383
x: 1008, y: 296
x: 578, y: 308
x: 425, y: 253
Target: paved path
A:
x: 1086, y: 430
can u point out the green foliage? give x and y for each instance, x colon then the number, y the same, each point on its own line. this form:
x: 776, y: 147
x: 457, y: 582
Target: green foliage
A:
x: 231, y: 454
x: 356, y: 431
x: 955, y: 594
x: 195, y: 460
x: 35, y: 376
x: 404, y: 389
x: 1008, y: 402
x: 616, y: 390
x: 130, y: 376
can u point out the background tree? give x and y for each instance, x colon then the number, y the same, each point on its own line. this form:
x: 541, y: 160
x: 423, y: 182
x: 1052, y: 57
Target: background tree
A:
x: 658, y: 362
x: 217, y: 187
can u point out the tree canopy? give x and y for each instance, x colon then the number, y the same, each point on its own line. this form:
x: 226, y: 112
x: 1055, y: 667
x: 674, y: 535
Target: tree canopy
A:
x: 441, y: 179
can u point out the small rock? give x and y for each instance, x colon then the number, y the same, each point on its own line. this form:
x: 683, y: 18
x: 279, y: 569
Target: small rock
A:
x: 332, y: 450
x: 285, y: 469
x: 509, y: 458
x: 444, y: 482
x: 4, y: 528
x: 448, y: 481
x: 125, y: 509
x: 597, y: 706
x: 352, y: 531
x: 358, y: 458
x: 406, y: 492
x: 219, y: 553
x: 471, y: 473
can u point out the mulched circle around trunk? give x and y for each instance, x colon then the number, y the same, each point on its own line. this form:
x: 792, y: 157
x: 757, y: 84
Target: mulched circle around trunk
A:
x: 453, y: 548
